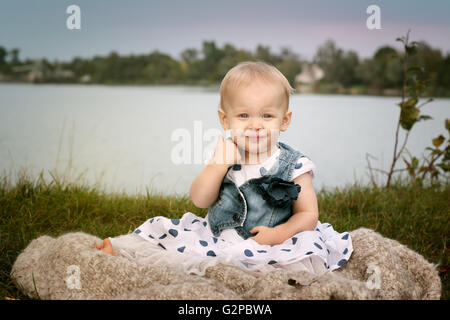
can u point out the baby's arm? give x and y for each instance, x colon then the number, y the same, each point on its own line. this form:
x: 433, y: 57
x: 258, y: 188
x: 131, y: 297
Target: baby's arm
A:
x: 305, y: 214
x: 205, y: 187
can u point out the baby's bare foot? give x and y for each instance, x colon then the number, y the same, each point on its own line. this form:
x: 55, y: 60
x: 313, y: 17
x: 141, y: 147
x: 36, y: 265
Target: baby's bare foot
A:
x: 106, y: 247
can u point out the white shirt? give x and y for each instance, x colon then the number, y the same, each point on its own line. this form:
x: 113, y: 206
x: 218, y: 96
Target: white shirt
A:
x: 251, y: 171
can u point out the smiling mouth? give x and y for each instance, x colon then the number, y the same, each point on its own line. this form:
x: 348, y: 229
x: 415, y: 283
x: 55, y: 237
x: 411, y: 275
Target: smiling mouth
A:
x: 255, y: 138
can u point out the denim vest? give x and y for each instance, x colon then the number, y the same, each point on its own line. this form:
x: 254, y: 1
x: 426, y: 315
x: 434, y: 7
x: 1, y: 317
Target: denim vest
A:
x: 243, y: 207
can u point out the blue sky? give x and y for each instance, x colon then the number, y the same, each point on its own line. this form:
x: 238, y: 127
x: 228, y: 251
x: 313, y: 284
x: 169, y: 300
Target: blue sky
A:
x: 38, y: 28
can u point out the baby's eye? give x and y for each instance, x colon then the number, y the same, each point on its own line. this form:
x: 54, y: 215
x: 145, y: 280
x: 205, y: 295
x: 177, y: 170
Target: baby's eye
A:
x: 267, y: 116
x: 243, y: 115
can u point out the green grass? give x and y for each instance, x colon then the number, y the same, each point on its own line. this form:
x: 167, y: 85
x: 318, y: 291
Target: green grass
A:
x: 415, y: 216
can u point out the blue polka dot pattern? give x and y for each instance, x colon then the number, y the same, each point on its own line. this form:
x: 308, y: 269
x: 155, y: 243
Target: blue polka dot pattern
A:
x: 298, y: 165
x: 262, y: 171
x: 173, y: 232
x: 318, y: 245
x: 178, y: 236
x: 211, y: 253
x: 342, y: 262
x: 236, y: 167
x: 248, y: 253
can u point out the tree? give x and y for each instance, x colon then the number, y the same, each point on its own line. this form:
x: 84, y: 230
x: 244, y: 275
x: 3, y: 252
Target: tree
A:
x: 339, y: 66
x: 262, y: 53
x: 231, y: 57
x: 289, y: 65
x: 161, y: 68
x: 14, y: 53
x: 443, y: 76
x: 3, y: 63
x: 189, y: 55
x: 431, y: 61
x: 387, y: 68
x: 3, y: 54
x: 413, y: 85
x: 211, y: 58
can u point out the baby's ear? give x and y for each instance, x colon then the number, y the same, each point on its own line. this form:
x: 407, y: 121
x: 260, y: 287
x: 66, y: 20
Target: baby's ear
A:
x: 286, y: 120
x: 223, y: 118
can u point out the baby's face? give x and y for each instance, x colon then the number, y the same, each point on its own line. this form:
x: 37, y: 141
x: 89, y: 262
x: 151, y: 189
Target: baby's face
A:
x: 256, y: 114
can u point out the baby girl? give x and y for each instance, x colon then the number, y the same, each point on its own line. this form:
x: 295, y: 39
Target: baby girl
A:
x: 262, y: 208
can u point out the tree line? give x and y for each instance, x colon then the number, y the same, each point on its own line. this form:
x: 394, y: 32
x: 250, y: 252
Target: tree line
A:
x: 344, y: 70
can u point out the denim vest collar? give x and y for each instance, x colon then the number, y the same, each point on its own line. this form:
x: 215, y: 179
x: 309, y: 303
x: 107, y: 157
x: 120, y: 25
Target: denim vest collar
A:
x: 243, y: 208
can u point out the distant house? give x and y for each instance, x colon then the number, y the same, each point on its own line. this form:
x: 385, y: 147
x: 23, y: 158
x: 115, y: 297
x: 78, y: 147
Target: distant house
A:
x: 86, y: 78
x: 307, y: 79
x: 35, y: 72
x: 38, y: 71
x: 61, y: 75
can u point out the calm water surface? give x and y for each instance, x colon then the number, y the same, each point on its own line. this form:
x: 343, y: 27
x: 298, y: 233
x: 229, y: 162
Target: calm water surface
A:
x: 120, y: 137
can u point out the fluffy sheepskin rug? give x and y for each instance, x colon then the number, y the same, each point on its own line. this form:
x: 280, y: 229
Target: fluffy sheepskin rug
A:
x: 69, y: 267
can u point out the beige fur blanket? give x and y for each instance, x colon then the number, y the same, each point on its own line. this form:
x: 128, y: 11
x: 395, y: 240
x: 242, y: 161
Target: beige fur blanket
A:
x: 69, y: 267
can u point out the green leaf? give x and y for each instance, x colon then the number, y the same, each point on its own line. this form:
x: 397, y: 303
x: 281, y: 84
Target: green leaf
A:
x: 438, y: 140
x: 406, y: 162
x: 408, y: 117
x: 414, y: 163
x: 410, y: 102
x: 411, y: 49
x: 447, y: 153
x: 437, y: 152
x: 424, y: 117
x: 444, y: 166
x: 399, y: 39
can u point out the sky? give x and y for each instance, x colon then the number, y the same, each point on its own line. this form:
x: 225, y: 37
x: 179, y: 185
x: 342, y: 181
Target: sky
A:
x: 38, y: 28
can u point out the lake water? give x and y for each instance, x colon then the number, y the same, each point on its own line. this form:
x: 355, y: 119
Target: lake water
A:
x: 120, y: 137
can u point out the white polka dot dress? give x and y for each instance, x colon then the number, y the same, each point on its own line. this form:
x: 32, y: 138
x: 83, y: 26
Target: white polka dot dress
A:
x: 189, y: 243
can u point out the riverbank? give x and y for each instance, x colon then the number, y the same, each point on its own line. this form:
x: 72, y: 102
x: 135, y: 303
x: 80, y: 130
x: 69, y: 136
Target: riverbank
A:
x: 415, y: 216
x: 325, y: 89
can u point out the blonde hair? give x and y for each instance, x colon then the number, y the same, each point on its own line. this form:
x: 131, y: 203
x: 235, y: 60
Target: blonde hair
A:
x: 246, y: 72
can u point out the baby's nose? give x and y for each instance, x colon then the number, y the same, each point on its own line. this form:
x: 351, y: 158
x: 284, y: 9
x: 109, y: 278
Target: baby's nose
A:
x: 256, y: 124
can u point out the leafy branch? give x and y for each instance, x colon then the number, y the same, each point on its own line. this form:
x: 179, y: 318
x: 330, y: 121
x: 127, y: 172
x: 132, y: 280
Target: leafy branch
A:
x: 414, y: 83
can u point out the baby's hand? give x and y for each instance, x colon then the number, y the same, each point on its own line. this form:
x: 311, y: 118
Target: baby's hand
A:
x: 226, y: 152
x: 266, y: 235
